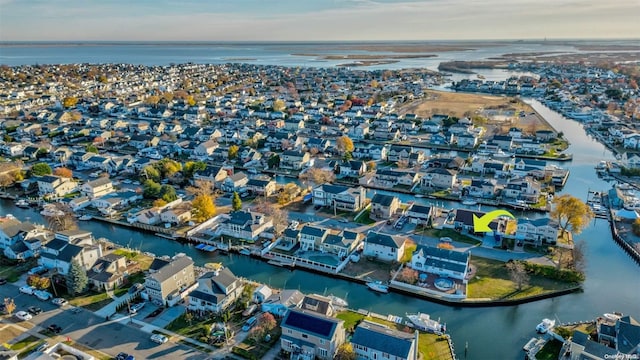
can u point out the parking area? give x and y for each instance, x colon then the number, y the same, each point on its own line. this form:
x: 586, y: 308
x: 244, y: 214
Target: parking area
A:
x: 166, y: 316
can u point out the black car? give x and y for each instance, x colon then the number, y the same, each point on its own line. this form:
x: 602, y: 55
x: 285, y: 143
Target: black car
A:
x: 121, y: 356
x: 34, y: 310
x: 3, y: 281
x: 54, y: 328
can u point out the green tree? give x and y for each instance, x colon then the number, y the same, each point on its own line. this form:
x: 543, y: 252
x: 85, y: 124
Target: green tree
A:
x: 91, y: 148
x: 571, y: 213
x: 274, y: 161
x: 233, y: 152
x: 40, y: 169
x: 76, y: 278
x: 192, y: 167
x: 345, y: 352
x: 236, y: 202
x: 168, y: 193
x: 203, y: 207
x: 151, y: 173
x: 151, y: 189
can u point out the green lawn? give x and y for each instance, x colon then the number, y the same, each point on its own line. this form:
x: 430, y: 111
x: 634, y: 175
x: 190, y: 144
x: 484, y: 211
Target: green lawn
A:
x: 194, y: 329
x: 364, y: 218
x: 454, y: 235
x: 143, y: 260
x: 29, y: 340
x: 430, y: 346
x: 250, y: 349
x: 94, y: 301
x: 492, y: 282
x: 13, y: 272
x: 550, y: 350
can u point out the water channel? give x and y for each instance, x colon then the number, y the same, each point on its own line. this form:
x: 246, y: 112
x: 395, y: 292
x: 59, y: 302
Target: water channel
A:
x: 491, y: 333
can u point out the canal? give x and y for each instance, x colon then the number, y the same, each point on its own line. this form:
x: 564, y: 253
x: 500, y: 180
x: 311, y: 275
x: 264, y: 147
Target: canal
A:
x: 491, y: 333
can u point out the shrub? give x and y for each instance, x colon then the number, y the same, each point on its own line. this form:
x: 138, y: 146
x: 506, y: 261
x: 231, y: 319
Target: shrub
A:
x: 551, y: 272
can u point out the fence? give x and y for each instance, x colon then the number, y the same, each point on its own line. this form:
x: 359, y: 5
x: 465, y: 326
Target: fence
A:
x: 428, y: 292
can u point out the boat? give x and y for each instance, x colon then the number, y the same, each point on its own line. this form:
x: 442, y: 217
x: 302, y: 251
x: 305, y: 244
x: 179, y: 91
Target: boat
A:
x: 337, y: 301
x: 245, y: 251
x: 612, y: 317
x: 469, y: 202
x: 22, y: 203
x: 424, y: 323
x: 378, y: 286
x: 545, y: 325
x: 51, y: 210
x: 85, y: 217
x: 419, y: 195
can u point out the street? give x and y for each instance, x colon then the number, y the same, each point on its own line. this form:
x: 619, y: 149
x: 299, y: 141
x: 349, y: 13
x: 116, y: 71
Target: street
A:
x: 110, y: 337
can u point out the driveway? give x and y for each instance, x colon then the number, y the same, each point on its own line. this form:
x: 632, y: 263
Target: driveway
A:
x: 166, y: 317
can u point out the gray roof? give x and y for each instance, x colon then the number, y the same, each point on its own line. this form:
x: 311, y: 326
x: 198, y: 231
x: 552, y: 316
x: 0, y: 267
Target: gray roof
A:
x: 384, y: 200
x: 378, y: 337
x: 69, y: 252
x: 384, y: 239
x: 172, y: 268
x: 223, y: 277
x: 311, y: 323
x: 212, y: 298
x: 313, y: 231
x: 434, y: 252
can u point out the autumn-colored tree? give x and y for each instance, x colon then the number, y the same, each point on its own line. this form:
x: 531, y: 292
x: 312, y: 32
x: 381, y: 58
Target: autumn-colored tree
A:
x: 371, y: 165
x: 317, y: 176
x: 518, y: 274
x: 39, y: 282
x: 63, y: 172
x: 402, y: 164
x: 191, y: 167
x: 236, y: 202
x: 159, y: 203
x: 344, y: 144
x: 571, y: 213
x: 256, y: 333
x: 345, y: 352
x: 69, y: 101
x: 5, y: 180
x: 152, y: 100
x: 201, y: 187
x: 267, y: 321
x: 408, y: 275
x: 203, y: 207
x: 233, y: 152
x: 9, y: 306
x: 278, y: 105
x: 62, y: 218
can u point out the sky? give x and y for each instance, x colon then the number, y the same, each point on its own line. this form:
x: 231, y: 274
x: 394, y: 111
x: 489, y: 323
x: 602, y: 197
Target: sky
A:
x: 317, y: 20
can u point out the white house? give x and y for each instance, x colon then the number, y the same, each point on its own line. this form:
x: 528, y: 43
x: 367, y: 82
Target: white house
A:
x: 384, y: 247
x: 216, y: 291
x: 443, y: 262
x: 97, y: 188
x: 537, y: 231
x: 376, y: 341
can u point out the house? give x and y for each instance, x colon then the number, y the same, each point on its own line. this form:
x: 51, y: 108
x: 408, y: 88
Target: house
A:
x: 525, y: 189
x: 537, y: 231
x: 353, y: 168
x: 21, y: 240
x: 148, y: 216
x: 342, y: 244
x: 419, y: 214
x: 391, y: 178
x: 372, y: 341
x: 59, y: 253
x: 484, y: 188
x: 399, y: 153
x: 205, y: 149
x: 463, y: 221
x: 279, y: 304
x: 97, y: 188
x: 312, y: 335
x: 384, y: 206
x: 245, y: 224
x: 167, y: 284
x: 295, y: 160
x: 108, y: 272
x: 261, y: 294
x: 546, y: 135
x: 261, y: 187
x: 216, y: 291
x: 214, y: 174
x: 340, y: 197
x: 56, y: 186
x: 383, y: 246
x: 290, y: 238
x: 317, y: 304
x: 312, y: 237
x: 437, y: 177
x: 505, y: 142
x: 442, y: 262
x: 235, y: 182
x: 178, y: 214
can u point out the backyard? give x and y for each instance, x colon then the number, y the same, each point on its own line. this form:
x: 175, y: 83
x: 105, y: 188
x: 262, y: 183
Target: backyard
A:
x: 369, y: 269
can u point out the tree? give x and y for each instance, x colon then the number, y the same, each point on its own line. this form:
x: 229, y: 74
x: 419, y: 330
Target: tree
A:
x: 69, y: 101
x: 192, y: 167
x: 151, y: 189
x: 201, y: 187
x: 344, y: 144
x: 274, y: 161
x: 63, y: 219
x: 280, y: 220
x: 41, y: 169
x: 168, y: 193
x: 317, y: 176
x: 76, y: 279
x: 233, y: 152
x: 159, y: 203
x: 371, y: 165
x: 256, y: 333
x: 345, y: 352
x: 6, y: 180
x: 518, y: 274
x: 571, y: 213
x: 236, y: 202
x: 267, y: 321
x: 91, y: 149
x: 39, y: 282
x: 188, y: 317
x: 63, y: 172
x: 408, y: 275
x: 203, y: 207
x: 278, y: 105
x: 579, y: 256
x: 151, y: 173
x: 9, y: 306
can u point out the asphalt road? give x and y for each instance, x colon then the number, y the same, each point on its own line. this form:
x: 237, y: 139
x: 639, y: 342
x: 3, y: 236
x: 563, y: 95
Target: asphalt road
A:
x: 86, y: 328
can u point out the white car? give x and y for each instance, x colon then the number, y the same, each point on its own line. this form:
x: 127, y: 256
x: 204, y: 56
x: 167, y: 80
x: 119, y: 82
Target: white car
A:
x: 23, y: 315
x: 42, y: 295
x: 59, y: 301
x: 27, y: 289
x: 135, y: 308
x: 160, y: 339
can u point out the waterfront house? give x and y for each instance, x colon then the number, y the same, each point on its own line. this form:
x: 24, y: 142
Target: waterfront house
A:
x: 383, y: 246
x: 235, y: 182
x: 484, y: 188
x: 97, y: 188
x: 58, y: 254
x: 505, y: 142
x: 384, y: 206
x: 55, y: 186
x: 245, y: 224
x: 353, y: 168
x: 437, y: 177
x: 342, y: 244
x: 340, y: 197
x: 148, y: 216
x: 312, y: 237
x: 546, y: 135
x: 525, y: 189
x: 216, y: 291
x: 261, y: 187
x: 279, y: 303
x: 214, y: 174
x: 419, y: 214
x: 311, y: 335
x: 463, y: 221
x: 290, y: 238
x: 317, y: 304
x: 261, y: 294
x: 295, y: 160
x: 21, y: 240
x: 373, y: 341
x: 442, y: 262
x: 167, y: 284
x: 537, y: 231
x: 391, y: 178
x: 108, y: 272
x: 178, y: 214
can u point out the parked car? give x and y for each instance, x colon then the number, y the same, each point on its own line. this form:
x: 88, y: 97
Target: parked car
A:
x: 136, y: 287
x: 54, y: 328
x: 160, y: 339
x: 133, y: 309
x: 250, y: 310
x: 34, y: 310
x: 249, y: 324
x: 23, y: 315
x: 42, y: 347
x: 27, y: 289
x: 42, y: 295
x: 38, y: 270
x: 122, y: 356
x: 59, y: 301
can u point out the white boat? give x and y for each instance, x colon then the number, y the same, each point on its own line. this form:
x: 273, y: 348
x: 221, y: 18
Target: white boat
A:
x: 612, y: 317
x: 22, y: 203
x: 378, y: 286
x: 245, y: 251
x: 469, y: 202
x: 85, y: 217
x: 419, y: 195
x: 424, y: 323
x: 545, y: 325
x: 337, y: 301
x: 51, y: 211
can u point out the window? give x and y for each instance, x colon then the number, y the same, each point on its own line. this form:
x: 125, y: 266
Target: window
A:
x: 304, y: 336
x: 322, y: 352
x: 321, y: 342
x: 289, y: 331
